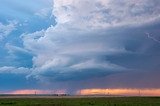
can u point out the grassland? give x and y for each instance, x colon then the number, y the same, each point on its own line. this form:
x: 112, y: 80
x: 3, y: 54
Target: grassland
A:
x: 94, y: 101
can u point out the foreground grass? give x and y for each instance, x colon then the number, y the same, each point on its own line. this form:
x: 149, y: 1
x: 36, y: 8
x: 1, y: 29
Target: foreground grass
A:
x: 112, y: 101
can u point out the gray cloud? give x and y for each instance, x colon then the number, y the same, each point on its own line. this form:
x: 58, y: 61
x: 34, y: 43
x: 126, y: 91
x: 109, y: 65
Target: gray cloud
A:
x: 61, y: 56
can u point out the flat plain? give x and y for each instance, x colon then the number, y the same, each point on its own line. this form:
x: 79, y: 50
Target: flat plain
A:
x: 78, y: 101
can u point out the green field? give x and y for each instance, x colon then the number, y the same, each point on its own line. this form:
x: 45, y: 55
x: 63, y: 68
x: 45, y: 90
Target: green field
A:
x: 109, y: 101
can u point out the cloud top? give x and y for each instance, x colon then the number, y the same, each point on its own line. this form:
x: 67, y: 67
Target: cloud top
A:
x: 105, y: 13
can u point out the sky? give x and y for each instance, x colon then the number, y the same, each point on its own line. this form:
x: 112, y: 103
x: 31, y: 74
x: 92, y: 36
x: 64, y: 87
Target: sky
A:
x: 80, y: 46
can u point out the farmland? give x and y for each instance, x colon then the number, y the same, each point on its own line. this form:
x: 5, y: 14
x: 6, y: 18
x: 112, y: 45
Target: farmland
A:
x: 79, y: 101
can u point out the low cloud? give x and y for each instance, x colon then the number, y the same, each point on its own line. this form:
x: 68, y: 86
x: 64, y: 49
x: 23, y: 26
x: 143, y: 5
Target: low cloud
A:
x: 62, y: 55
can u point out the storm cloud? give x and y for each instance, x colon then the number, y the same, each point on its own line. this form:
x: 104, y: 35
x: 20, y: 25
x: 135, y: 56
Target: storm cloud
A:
x: 96, y: 44
x: 82, y: 44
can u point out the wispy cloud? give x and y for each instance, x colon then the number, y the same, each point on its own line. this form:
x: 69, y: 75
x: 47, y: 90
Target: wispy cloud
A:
x: 6, y: 29
x: 152, y: 37
x: 14, y: 70
x: 44, y: 13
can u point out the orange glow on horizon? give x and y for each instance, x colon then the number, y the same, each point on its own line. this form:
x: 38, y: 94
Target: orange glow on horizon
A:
x: 28, y: 91
x: 121, y: 92
x: 125, y: 92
